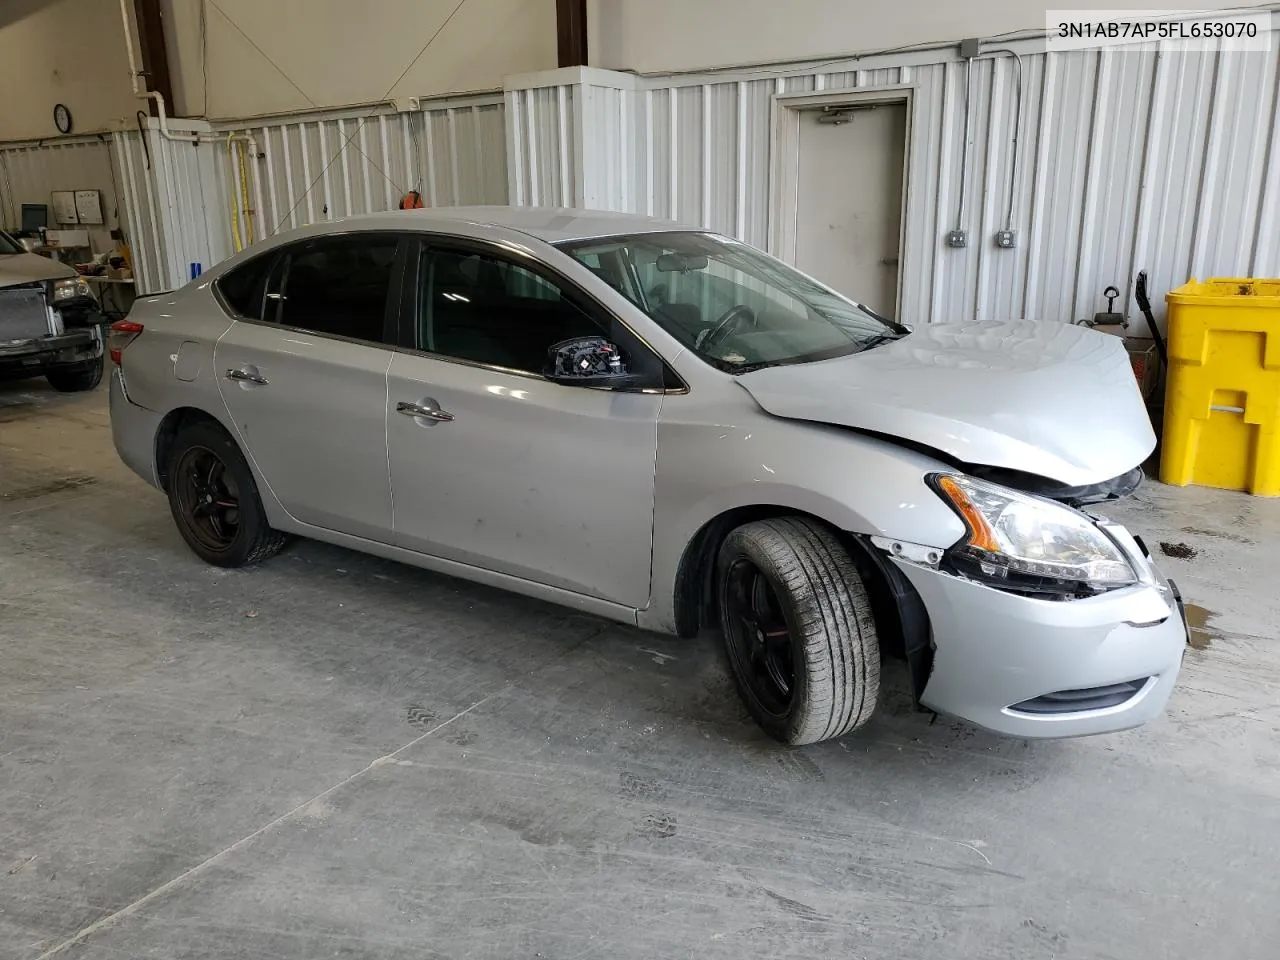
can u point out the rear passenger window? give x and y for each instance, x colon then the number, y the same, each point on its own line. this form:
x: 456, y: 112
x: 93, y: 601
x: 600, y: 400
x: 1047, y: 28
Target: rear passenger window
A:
x: 244, y: 287
x: 337, y: 286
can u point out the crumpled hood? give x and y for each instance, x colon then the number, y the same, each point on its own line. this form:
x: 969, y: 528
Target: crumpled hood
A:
x: 16, y: 268
x: 1052, y: 399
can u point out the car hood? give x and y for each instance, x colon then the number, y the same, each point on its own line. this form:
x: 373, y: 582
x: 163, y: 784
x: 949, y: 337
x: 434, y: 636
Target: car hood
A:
x: 1052, y: 399
x: 17, y: 268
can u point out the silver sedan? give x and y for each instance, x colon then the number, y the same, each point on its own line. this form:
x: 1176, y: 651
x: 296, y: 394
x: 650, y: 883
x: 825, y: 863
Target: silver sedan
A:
x: 672, y: 429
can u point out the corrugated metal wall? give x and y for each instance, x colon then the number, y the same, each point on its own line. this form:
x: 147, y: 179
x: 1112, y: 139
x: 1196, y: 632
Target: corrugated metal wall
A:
x: 182, y: 198
x: 30, y: 172
x: 141, y: 209
x: 177, y: 196
x: 609, y: 165
x: 451, y: 152
x: 542, y: 155
x: 1127, y: 159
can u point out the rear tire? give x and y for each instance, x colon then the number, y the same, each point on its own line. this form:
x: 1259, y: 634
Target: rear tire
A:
x: 798, y: 630
x: 75, y: 377
x: 214, y: 499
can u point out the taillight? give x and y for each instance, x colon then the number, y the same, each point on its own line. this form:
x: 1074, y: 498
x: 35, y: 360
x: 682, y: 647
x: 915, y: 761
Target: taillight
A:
x: 121, y: 335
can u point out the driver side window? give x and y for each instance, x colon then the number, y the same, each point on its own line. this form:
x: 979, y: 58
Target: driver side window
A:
x: 487, y: 309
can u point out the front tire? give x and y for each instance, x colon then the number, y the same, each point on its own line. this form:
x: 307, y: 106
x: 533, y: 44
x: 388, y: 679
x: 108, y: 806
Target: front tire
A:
x: 798, y: 630
x: 75, y: 377
x: 214, y: 499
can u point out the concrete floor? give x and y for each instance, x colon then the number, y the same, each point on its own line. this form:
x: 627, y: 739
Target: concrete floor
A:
x: 337, y: 756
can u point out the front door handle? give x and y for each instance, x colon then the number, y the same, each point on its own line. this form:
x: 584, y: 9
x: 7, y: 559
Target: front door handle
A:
x: 243, y: 375
x: 422, y: 410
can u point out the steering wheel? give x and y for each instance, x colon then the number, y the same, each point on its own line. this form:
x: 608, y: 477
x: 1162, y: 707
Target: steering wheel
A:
x: 733, y: 320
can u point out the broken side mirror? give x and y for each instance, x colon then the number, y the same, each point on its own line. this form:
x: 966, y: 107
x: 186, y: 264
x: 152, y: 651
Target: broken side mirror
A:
x: 589, y: 362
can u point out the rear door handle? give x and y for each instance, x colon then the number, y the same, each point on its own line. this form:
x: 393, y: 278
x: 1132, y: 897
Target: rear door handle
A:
x: 422, y: 410
x: 246, y: 376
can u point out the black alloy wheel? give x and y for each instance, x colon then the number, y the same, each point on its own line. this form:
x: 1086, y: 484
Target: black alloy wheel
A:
x: 208, y: 499
x: 214, y: 498
x: 759, y: 639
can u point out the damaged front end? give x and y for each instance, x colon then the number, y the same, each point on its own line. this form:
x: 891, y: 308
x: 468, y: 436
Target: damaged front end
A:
x: 901, y: 612
x: 1117, y: 488
x: 45, y: 324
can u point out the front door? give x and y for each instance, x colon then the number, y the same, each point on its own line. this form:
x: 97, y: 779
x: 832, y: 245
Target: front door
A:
x: 493, y: 465
x: 849, y: 201
x: 305, y: 382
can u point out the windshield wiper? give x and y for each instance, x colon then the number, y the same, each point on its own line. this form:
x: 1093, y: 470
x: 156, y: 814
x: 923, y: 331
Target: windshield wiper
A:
x: 879, y: 339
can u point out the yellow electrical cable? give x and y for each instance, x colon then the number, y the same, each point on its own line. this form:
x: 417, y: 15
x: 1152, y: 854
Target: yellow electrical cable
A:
x: 235, y: 210
x: 244, y: 193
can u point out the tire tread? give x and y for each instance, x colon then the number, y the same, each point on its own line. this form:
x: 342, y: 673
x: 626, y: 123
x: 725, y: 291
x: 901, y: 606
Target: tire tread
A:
x: 832, y: 613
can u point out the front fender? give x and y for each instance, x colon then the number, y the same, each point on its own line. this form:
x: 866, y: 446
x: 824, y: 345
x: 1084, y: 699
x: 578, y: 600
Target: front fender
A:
x: 853, y: 482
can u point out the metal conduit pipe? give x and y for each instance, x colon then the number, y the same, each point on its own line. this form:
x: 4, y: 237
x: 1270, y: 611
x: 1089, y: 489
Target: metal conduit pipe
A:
x: 135, y: 76
x: 239, y: 197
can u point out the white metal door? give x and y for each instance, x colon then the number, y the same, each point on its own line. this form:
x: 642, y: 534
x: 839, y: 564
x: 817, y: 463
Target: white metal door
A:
x: 849, y: 201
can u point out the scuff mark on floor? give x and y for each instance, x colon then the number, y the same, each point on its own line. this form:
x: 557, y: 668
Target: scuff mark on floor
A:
x: 52, y: 486
x: 794, y: 907
x: 22, y: 864
x: 1218, y: 535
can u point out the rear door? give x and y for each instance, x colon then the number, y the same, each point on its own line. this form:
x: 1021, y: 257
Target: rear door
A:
x: 303, y: 373
x: 495, y: 466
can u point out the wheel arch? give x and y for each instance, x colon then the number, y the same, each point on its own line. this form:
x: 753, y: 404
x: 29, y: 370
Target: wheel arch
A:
x: 902, y: 623
x: 167, y: 432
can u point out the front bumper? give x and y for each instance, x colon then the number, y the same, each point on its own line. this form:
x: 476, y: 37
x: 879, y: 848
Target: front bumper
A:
x: 39, y: 352
x: 1033, y: 668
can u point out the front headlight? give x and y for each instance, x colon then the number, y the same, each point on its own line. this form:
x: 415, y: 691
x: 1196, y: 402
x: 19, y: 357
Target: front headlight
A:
x: 1029, y: 543
x: 70, y: 289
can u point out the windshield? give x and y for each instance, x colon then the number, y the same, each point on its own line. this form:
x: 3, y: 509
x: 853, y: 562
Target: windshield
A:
x: 735, y: 307
x: 9, y: 245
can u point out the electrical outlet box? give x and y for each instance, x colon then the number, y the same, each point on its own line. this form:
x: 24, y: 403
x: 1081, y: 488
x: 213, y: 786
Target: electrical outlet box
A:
x: 1006, y: 239
x: 957, y: 238
x: 969, y: 48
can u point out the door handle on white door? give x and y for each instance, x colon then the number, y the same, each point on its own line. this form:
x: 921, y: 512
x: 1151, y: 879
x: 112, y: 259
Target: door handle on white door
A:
x: 427, y: 408
x: 243, y: 375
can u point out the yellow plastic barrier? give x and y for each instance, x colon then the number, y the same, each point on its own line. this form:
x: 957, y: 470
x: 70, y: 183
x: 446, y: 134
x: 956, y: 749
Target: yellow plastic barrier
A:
x: 1222, y: 395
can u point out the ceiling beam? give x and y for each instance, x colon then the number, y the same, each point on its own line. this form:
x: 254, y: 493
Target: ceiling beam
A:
x: 154, y: 54
x: 571, y: 32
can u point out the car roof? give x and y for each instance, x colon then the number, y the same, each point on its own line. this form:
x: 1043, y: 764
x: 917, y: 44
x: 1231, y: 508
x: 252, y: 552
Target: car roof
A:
x: 550, y: 224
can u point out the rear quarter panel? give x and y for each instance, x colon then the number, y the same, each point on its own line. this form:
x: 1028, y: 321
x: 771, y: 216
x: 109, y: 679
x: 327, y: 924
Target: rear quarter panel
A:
x: 180, y: 326
x: 186, y: 323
